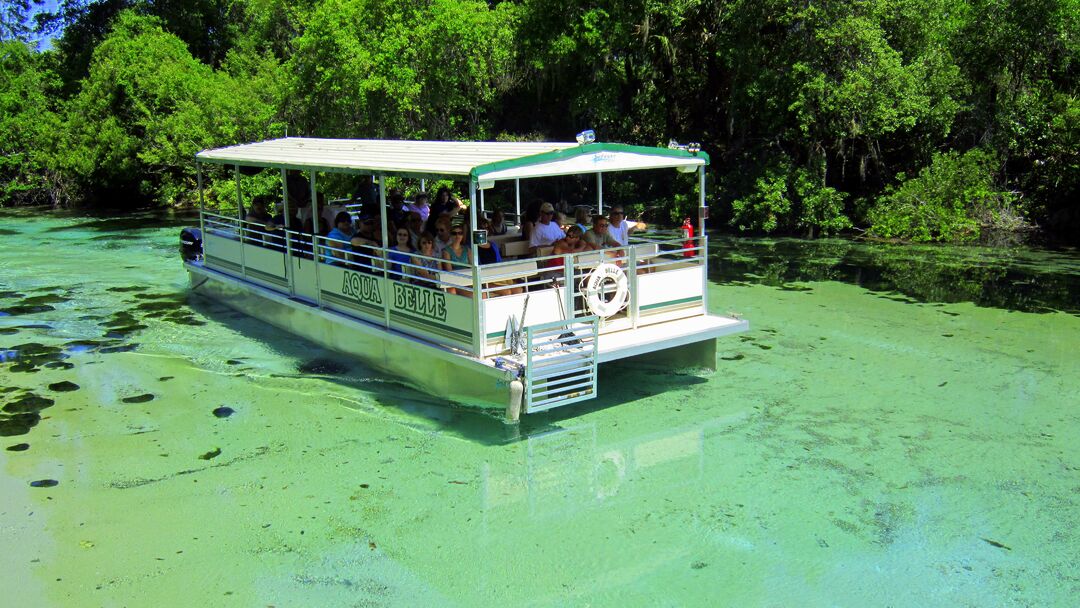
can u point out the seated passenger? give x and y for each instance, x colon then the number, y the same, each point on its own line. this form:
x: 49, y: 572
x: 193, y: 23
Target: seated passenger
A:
x: 339, y: 237
x: 425, y: 267
x: 442, y: 234
x: 545, y: 232
x: 598, y: 236
x: 456, y: 257
x: 497, y: 225
x: 415, y: 224
x: 621, y: 227
x: 571, y: 243
x: 420, y: 206
x: 400, y: 253
x: 363, y: 245
x: 581, y: 219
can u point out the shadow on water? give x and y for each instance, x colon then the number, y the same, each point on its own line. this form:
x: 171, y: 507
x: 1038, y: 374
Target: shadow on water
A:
x: 455, y: 419
x: 1021, y: 279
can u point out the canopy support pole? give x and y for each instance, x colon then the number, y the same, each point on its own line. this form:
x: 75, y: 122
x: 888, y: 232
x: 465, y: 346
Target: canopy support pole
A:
x: 600, y: 193
x: 240, y: 219
x: 517, y: 199
x: 477, y: 296
x: 202, y: 204
x: 288, y: 238
x: 315, y: 239
x: 385, y: 265
x: 703, y: 240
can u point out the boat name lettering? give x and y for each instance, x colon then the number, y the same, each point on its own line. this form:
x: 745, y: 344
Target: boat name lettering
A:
x: 424, y: 302
x: 361, y: 287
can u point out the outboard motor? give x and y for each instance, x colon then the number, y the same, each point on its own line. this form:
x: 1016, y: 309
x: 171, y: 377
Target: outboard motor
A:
x: 191, y: 244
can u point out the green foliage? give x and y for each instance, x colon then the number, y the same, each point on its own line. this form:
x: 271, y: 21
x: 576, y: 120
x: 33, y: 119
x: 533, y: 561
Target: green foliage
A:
x: 950, y: 200
x: 27, y: 124
x: 785, y: 198
x: 147, y: 106
x: 418, y: 69
x: 809, y: 110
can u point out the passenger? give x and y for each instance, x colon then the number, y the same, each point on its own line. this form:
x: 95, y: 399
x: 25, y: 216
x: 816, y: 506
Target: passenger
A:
x: 339, y: 237
x: 363, y: 245
x: 598, y: 236
x: 532, y: 215
x: 395, y: 203
x: 425, y: 269
x: 445, y: 202
x: 415, y: 225
x: 581, y: 219
x: 497, y: 223
x: 258, y: 215
x: 420, y: 206
x: 621, y: 227
x: 546, y: 232
x: 456, y: 254
x: 400, y: 253
x: 442, y: 234
x: 329, y: 212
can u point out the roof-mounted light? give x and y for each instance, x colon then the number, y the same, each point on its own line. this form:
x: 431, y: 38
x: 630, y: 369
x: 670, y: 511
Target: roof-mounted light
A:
x: 587, y: 136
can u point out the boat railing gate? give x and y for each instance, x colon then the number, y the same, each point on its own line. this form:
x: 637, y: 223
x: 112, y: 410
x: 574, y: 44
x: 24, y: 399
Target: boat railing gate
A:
x: 560, y: 366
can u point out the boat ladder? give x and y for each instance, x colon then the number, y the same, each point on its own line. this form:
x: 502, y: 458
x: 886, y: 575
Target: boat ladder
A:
x: 560, y: 364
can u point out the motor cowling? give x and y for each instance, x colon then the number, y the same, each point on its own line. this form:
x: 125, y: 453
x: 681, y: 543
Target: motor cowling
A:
x: 191, y: 244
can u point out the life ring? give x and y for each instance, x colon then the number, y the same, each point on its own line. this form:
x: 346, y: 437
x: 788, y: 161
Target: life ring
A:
x: 593, y: 289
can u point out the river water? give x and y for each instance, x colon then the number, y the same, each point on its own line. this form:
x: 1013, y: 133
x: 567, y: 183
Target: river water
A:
x: 900, y: 428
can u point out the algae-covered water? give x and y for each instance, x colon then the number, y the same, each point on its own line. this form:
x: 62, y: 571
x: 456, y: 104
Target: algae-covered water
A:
x: 900, y: 428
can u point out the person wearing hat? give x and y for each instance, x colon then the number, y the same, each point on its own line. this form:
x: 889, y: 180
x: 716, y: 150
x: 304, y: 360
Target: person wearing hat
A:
x: 546, y: 232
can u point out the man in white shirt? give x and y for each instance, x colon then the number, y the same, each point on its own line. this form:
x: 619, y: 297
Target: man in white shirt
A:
x: 546, y: 232
x: 621, y: 227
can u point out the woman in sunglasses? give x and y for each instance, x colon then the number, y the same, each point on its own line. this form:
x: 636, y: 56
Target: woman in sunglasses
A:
x: 400, y: 253
x: 457, y: 257
x: 425, y: 266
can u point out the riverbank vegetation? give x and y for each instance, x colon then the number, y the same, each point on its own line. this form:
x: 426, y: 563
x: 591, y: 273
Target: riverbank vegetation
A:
x: 919, y: 120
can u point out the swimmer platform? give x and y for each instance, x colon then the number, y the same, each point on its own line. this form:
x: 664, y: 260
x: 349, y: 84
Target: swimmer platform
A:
x: 463, y: 336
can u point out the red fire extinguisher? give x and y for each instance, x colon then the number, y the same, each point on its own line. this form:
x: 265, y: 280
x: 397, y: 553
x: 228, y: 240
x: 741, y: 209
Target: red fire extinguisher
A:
x: 688, y: 234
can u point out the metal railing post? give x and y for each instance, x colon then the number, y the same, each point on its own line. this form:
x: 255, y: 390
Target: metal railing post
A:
x: 315, y: 240
x: 600, y: 193
x: 568, y: 283
x: 202, y: 205
x: 633, y: 285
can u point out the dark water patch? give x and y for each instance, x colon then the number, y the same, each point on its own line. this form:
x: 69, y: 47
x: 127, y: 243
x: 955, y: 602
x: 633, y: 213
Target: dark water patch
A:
x: 83, y: 346
x: 234, y: 362
x: 44, y: 483
x: 994, y: 543
x: 123, y: 348
x: 737, y: 357
x: 183, y: 318
x: 28, y: 357
x: 160, y: 306
x: 1021, y: 279
x: 60, y: 365
x: 156, y: 296
x: 119, y: 319
x: 48, y: 298
x: 214, y: 453
x: 8, y: 232
x: 322, y: 366
x: 18, y: 447
x: 18, y: 310
x: 223, y: 411
x: 10, y: 294
x: 63, y: 387
x: 7, y: 331
x: 18, y: 424
x: 143, y: 398
x: 130, y: 288
x: 165, y: 378
x: 27, y: 404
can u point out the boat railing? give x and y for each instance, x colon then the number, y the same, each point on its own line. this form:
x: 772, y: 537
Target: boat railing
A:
x: 662, y: 278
